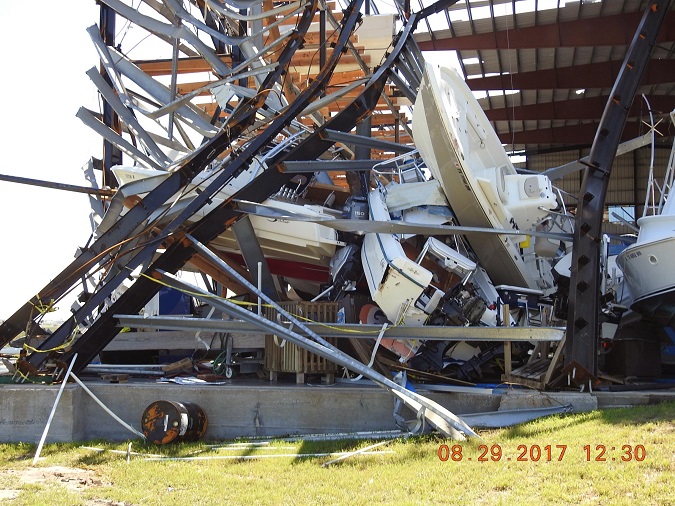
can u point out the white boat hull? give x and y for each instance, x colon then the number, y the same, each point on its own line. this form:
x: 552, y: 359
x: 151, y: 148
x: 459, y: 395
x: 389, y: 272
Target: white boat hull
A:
x: 395, y: 281
x: 648, y: 269
x: 464, y: 154
x: 283, y: 239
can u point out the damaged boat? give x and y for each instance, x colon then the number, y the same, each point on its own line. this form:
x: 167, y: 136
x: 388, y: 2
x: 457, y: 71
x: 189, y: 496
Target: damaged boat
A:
x: 464, y: 154
x: 250, y: 155
x: 460, y: 176
x: 646, y: 263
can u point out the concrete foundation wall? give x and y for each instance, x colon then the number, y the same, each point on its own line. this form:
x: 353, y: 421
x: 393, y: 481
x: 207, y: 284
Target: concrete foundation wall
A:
x: 24, y: 411
x: 251, y: 410
x: 232, y: 411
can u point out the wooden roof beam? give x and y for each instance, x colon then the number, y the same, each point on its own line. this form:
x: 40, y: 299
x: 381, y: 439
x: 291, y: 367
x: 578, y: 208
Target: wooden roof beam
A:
x: 338, y: 15
x: 581, y: 108
x: 313, y: 39
x: 614, y: 30
x: 592, y: 75
x: 185, y: 65
x: 571, y: 134
x: 376, y: 120
x: 197, y: 64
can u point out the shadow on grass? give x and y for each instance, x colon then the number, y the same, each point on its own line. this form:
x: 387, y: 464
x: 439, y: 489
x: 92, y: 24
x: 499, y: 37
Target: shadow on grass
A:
x: 328, y: 446
x: 179, y: 450
x: 633, y: 416
x: 414, y: 448
x: 640, y: 414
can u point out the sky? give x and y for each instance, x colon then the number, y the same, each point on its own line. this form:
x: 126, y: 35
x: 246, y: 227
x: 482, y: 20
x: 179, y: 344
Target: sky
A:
x: 46, y: 52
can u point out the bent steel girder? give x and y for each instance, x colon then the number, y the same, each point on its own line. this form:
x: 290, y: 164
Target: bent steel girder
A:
x: 203, y: 157
x: 439, y: 417
x: 103, y: 250
x: 581, y: 349
x: 266, y: 184
x: 171, y: 32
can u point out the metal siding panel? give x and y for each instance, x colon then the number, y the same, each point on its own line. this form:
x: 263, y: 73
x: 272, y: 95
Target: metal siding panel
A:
x: 527, y: 60
x: 509, y: 61
x: 615, y: 228
x: 584, y: 55
x: 564, y: 57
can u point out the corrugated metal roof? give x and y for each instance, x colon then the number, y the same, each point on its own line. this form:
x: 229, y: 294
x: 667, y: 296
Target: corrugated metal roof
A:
x: 523, y: 43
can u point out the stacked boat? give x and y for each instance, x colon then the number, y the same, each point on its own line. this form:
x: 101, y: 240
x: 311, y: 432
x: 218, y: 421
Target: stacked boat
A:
x: 646, y: 264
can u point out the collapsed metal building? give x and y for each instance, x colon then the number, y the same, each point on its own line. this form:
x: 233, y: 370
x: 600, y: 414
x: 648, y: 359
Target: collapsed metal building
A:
x: 289, y: 115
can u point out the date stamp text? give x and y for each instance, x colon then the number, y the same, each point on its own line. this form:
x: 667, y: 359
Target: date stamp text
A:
x: 541, y: 453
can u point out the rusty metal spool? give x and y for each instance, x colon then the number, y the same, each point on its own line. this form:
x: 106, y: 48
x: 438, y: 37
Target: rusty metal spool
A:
x: 165, y: 422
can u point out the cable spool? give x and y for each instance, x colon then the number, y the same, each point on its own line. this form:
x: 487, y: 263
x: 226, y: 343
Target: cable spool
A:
x: 164, y: 422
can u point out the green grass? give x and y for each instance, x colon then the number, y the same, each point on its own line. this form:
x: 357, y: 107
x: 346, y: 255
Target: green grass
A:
x: 413, y: 474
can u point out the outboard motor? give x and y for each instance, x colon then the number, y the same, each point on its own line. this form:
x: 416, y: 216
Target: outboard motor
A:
x: 461, y: 306
x: 345, y: 270
x: 345, y: 266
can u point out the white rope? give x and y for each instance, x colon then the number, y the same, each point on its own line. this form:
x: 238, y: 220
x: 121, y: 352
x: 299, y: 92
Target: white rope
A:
x: 377, y: 345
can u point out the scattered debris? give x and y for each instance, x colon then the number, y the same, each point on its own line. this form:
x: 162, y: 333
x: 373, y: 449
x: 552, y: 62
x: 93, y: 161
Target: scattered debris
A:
x: 438, y: 235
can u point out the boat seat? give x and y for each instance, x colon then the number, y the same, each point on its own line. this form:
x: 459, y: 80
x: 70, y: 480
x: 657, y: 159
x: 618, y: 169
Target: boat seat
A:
x: 523, y: 298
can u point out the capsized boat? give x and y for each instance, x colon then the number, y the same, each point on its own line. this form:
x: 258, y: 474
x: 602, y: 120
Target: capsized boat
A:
x: 439, y: 286
x: 464, y: 154
x: 647, y: 264
x: 279, y: 238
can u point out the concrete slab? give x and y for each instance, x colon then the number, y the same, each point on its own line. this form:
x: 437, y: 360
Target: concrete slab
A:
x: 519, y: 399
x: 625, y: 399
x: 244, y: 408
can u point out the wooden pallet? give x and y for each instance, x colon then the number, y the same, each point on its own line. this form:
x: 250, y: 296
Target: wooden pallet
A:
x: 538, y: 370
x: 286, y: 357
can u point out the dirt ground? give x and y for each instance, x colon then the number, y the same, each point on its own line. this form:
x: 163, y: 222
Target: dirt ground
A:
x: 70, y: 477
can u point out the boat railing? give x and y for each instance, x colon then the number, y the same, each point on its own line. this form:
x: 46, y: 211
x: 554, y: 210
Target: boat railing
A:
x: 670, y: 174
x: 404, y: 164
x: 656, y: 194
x: 562, y: 219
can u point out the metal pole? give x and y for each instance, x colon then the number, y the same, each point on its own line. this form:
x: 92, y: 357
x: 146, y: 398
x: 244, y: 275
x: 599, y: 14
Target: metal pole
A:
x: 445, y: 421
x: 105, y: 408
x: 583, y: 327
x: 174, y: 82
x: 111, y: 154
x: 51, y: 415
x: 259, y: 288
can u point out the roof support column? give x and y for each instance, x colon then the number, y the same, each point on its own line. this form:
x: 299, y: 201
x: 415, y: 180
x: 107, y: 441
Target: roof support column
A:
x: 581, y: 351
